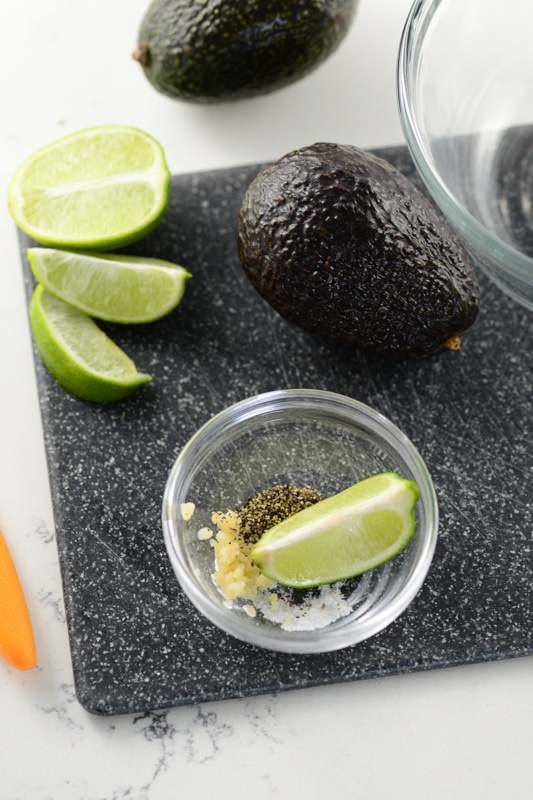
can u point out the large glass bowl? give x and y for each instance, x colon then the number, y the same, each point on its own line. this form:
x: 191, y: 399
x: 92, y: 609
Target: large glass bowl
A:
x: 465, y: 91
x: 307, y: 438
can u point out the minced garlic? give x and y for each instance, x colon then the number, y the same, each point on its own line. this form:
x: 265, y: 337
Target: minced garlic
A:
x: 273, y: 599
x: 187, y: 510
x: 236, y: 573
x: 229, y: 522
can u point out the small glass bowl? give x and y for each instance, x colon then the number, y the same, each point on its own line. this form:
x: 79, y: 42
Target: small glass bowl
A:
x: 306, y: 438
x: 465, y: 93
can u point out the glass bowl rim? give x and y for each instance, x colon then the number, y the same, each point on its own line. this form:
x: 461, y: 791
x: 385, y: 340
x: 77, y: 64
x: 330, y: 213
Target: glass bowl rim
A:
x: 507, y: 258
x: 301, y: 642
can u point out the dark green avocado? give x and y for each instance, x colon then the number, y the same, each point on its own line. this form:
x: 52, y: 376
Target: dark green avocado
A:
x: 342, y: 244
x: 215, y: 50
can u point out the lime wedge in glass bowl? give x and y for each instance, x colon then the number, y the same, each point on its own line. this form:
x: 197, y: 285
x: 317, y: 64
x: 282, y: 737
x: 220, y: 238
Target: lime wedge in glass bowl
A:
x: 344, y: 535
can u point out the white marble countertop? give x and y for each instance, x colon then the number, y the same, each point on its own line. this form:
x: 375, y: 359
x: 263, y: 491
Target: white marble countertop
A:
x: 458, y: 733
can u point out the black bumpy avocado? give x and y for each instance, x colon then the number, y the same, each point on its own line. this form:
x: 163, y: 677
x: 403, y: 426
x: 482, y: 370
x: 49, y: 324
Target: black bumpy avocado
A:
x: 342, y: 244
x: 215, y: 50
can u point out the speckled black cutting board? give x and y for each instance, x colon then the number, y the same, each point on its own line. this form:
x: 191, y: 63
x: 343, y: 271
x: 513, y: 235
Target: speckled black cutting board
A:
x: 137, y: 643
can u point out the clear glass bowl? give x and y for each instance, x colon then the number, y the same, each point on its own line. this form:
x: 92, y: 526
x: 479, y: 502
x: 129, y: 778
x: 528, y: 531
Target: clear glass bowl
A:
x: 303, y: 437
x: 465, y: 92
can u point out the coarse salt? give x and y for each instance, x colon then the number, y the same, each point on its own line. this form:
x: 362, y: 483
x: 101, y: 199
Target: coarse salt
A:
x: 316, y: 611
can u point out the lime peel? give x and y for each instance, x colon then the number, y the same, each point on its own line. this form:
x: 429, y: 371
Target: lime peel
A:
x: 342, y: 536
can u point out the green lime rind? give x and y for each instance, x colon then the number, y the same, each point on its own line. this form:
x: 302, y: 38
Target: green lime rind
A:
x: 116, y: 288
x: 343, y: 536
x: 96, y: 189
x: 80, y: 356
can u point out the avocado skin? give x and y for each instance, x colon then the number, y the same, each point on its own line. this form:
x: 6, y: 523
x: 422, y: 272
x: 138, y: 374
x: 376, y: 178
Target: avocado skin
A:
x: 343, y: 245
x: 215, y: 50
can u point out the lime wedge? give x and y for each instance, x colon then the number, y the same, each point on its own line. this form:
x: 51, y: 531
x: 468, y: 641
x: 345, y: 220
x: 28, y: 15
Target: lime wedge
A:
x: 98, y: 188
x: 342, y: 536
x: 78, y: 354
x: 116, y: 288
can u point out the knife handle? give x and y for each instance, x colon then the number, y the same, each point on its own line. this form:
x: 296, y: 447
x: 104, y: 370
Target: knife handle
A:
x: 17, y: 645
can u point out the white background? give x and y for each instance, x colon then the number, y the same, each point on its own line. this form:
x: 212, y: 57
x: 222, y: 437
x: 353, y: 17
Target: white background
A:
x: 461, y: 733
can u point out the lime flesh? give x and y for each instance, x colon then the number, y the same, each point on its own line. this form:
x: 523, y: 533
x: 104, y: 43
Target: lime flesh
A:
x: 342, y: 536
x: 80, y: 356
x: 99, y: 188
x: 115, y: 288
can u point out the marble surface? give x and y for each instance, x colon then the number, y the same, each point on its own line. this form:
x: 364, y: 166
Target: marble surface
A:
x: 462, y: 732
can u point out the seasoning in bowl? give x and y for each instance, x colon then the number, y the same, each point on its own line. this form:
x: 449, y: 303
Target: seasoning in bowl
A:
x: 290, y: 540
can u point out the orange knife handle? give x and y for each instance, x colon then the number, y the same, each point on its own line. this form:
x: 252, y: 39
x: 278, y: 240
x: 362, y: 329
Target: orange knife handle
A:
x: 17, y: 645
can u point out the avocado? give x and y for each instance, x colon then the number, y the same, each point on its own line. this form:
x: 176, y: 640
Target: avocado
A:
x: 343, y: 245
x: 215, y: 50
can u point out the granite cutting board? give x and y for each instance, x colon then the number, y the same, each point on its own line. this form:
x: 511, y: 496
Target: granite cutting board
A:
x: 136, y: 641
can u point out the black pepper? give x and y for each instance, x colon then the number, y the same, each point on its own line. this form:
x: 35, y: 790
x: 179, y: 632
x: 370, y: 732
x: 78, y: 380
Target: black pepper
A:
x: 272, y: 506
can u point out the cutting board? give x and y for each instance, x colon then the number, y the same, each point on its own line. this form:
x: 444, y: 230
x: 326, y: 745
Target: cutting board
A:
x: 137, y: 643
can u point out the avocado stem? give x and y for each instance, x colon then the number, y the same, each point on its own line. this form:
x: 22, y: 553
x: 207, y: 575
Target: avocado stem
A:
x: 142, y: 55
x: 453, y: 342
